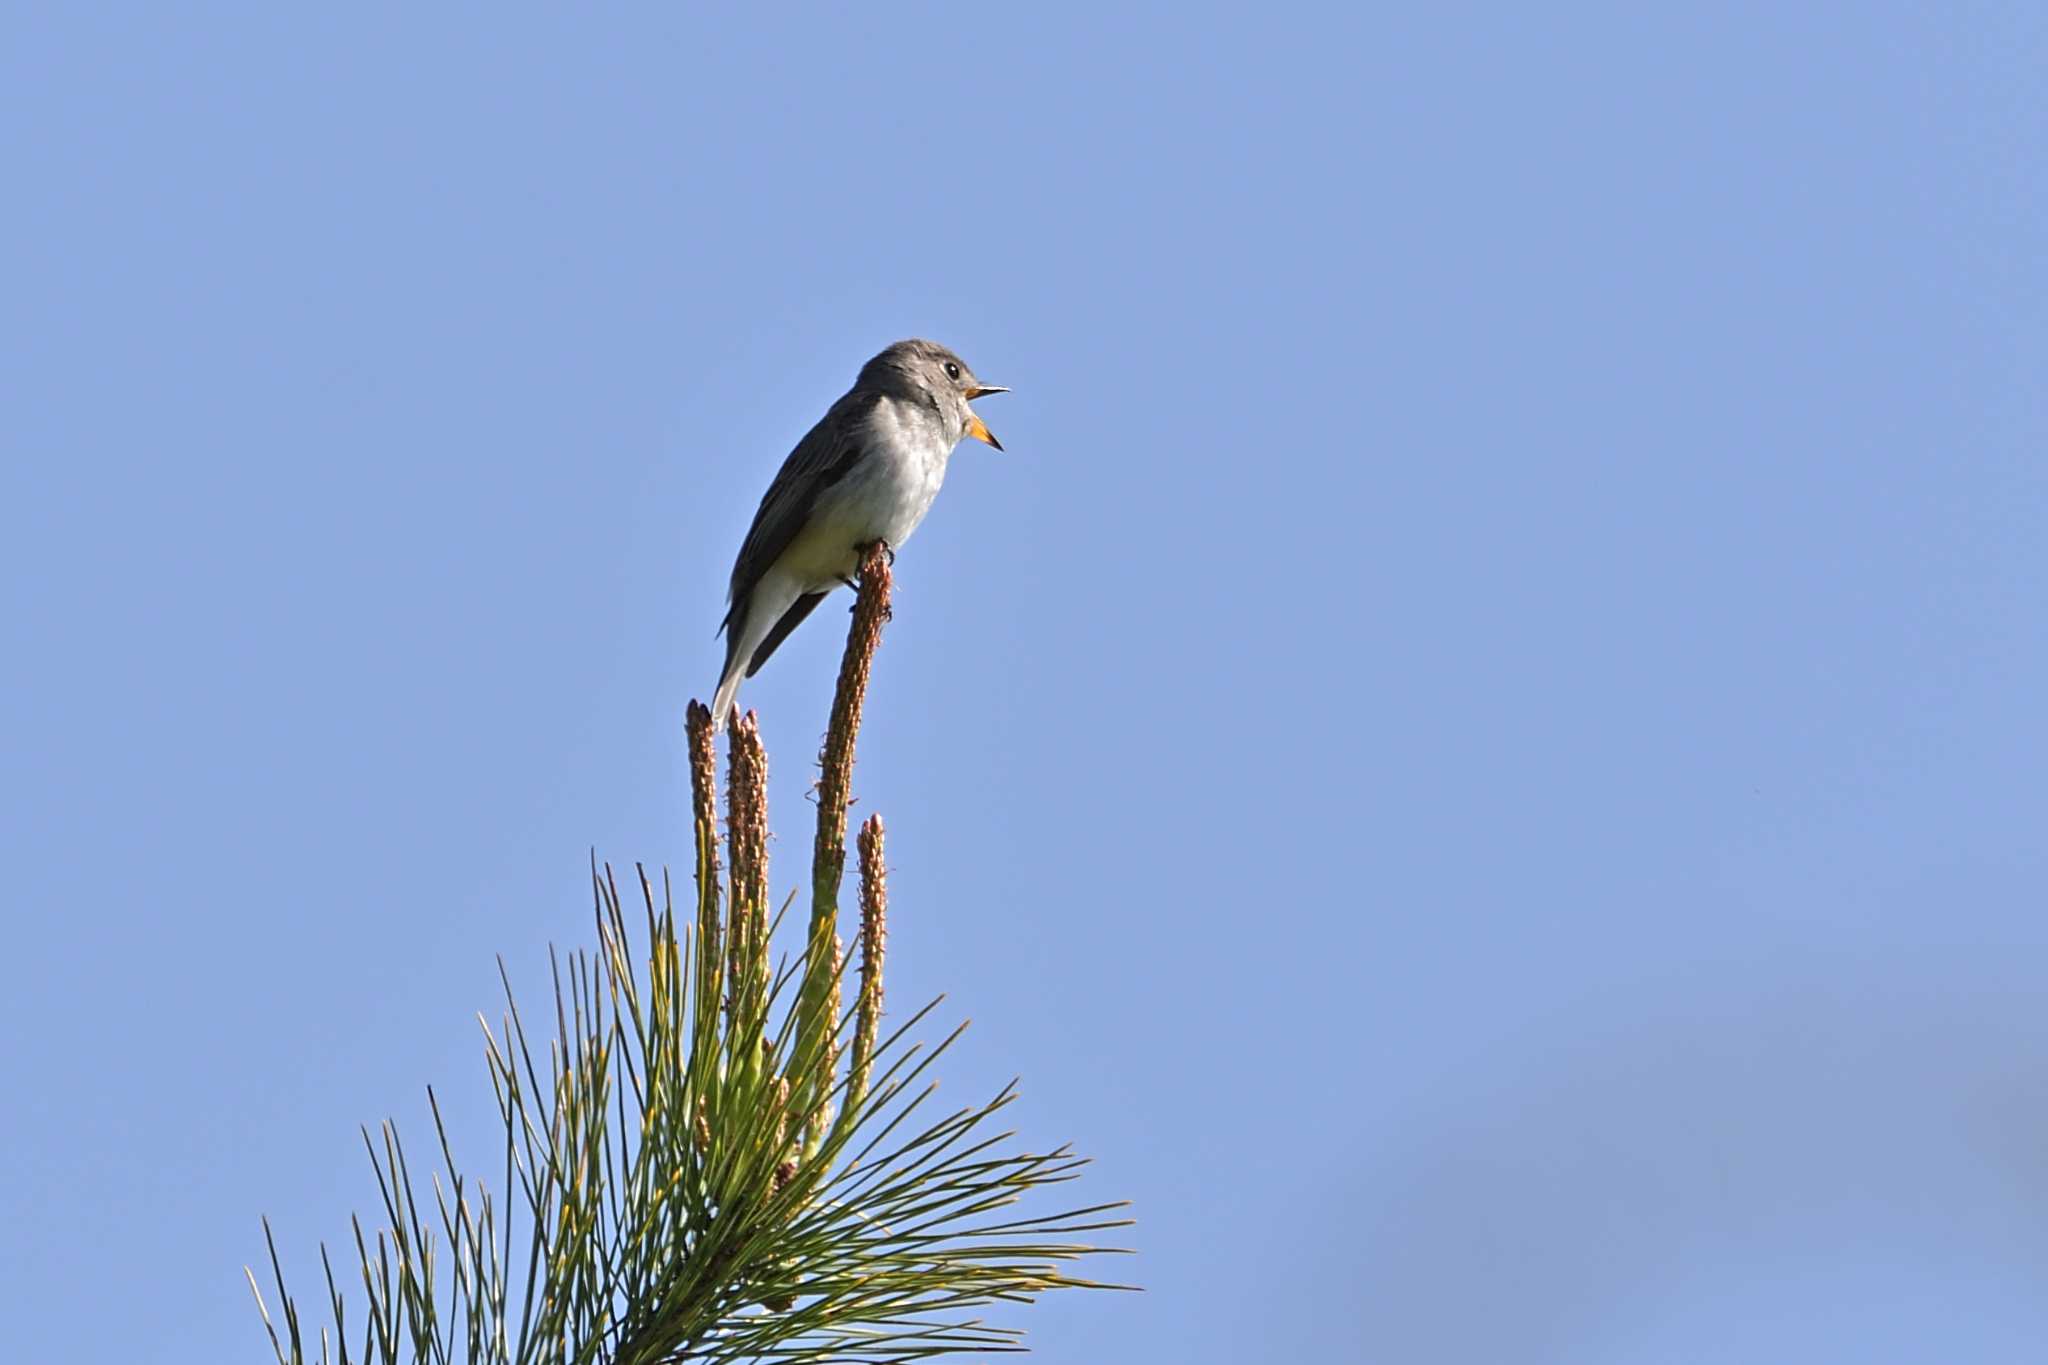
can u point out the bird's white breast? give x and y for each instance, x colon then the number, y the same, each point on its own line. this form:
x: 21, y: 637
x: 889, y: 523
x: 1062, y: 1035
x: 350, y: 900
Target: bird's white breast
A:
x: 905, y: 449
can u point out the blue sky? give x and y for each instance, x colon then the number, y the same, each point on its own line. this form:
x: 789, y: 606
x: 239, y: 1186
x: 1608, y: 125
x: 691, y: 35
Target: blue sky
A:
x: 1483, y: 749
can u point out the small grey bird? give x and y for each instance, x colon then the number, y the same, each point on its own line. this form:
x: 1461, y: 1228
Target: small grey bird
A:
x: 867, y: 472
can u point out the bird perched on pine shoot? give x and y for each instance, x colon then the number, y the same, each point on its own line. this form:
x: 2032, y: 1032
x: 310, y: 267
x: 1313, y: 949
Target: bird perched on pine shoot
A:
x: 867, y: 472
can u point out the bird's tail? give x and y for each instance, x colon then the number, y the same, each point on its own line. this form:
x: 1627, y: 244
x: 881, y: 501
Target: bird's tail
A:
x: 728, y: 682
x: 754, y: 626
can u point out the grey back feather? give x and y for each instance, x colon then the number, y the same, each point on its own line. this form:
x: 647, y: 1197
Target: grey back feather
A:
x: 820, y: 459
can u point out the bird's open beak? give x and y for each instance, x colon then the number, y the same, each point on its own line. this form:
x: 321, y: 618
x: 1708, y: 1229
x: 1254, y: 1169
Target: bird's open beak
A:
x: 977, y: 428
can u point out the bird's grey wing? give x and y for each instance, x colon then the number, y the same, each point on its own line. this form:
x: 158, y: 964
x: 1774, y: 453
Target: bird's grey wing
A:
x: 823, y: 457
x: 791, y: 619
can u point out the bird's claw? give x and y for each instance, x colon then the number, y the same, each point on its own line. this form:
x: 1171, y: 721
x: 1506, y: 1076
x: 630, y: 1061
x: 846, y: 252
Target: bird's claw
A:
x: 862, y: 551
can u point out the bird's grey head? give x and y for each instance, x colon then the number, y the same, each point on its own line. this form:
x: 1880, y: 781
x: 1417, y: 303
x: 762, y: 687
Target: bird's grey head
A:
x: 928, y: 372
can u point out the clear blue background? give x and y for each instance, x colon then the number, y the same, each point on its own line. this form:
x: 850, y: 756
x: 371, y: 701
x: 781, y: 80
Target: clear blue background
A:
x: 1484, y: 749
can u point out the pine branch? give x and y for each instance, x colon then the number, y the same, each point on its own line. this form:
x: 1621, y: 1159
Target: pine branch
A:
x: 817, y: 1011
x: 671, y: 1161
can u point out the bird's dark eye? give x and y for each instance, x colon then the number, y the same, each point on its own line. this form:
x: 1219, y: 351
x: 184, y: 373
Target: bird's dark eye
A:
x: 952, y: 370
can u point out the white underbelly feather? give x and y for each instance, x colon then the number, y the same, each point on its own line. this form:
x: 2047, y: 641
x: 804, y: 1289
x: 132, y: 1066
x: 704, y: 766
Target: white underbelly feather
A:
x: 883, y: 497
